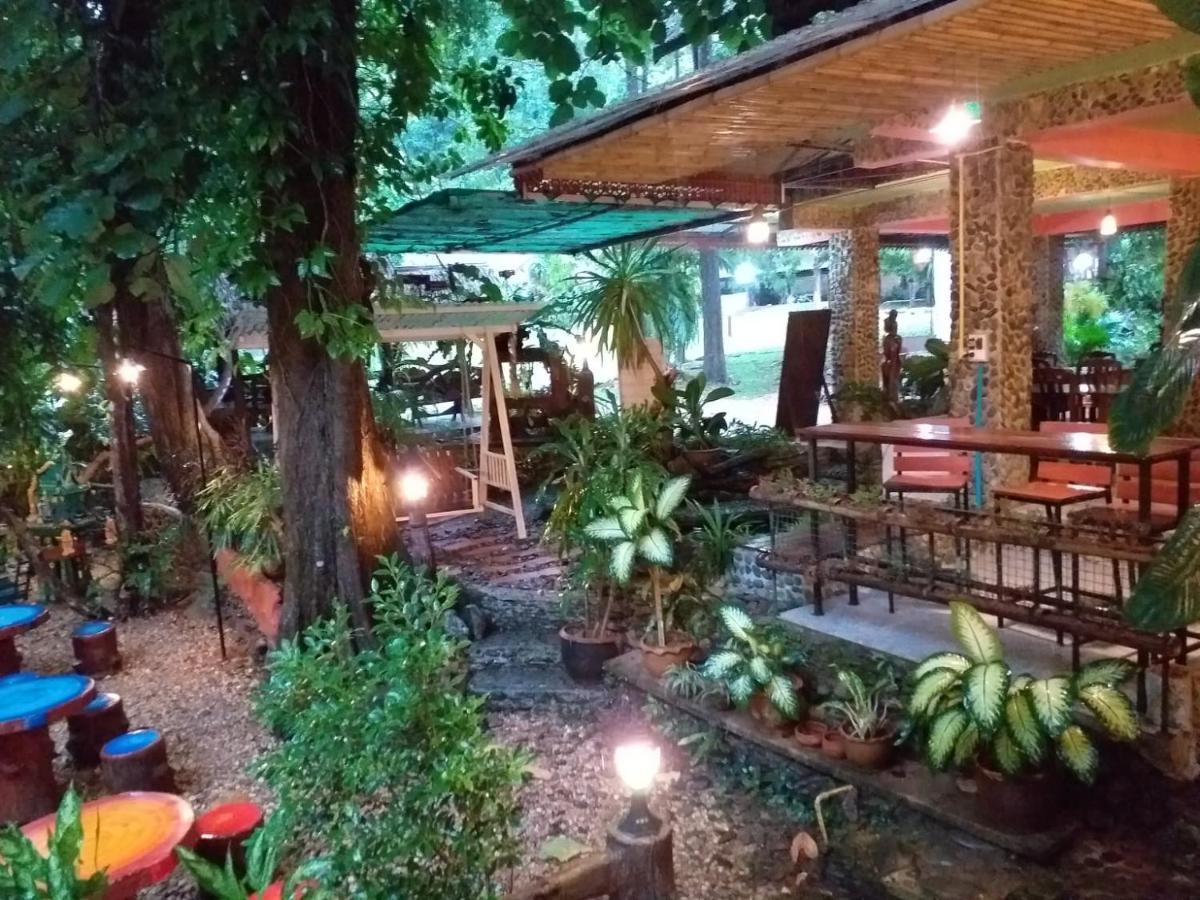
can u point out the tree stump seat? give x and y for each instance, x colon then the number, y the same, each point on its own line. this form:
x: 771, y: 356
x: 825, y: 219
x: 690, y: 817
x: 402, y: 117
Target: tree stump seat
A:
x: 96, y: 651
x: 137, y: 761
x: 222, y: 832
x: 101, y: 720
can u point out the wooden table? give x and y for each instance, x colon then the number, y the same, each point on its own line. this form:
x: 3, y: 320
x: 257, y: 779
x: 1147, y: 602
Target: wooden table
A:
x: 28, y: 705
x: 17, y: 618
x: 1074, y: 446
x: 130, y: 837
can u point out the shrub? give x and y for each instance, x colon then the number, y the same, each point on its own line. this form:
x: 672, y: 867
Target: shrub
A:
x: 384, y: 765
x: 1084, y: 331
x: 26, y: 874
x: 241, y: 510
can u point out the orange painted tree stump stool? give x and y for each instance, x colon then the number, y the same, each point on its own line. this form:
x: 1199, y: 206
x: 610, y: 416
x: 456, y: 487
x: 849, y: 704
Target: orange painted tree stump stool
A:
x: 28, y: 705
x: 137, y: 761
x: 100, y: 721
x: 131, y: 837
x: 95, y: 646
x: 222, y: 832
x: 17, y: 618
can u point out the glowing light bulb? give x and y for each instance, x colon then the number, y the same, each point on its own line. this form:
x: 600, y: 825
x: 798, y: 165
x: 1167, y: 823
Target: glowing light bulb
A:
x: 745, y: 273
x: 923, y: 256
x: 414, y: 486
x: 129, y: 371
x: 637, y: 764
x: 1108, y: 225
x: 956, y: 123
x: 68, y: 382
x: 758, y: 229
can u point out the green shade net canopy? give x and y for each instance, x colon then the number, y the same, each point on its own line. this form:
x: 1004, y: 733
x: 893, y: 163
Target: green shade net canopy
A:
x: 483, y: 221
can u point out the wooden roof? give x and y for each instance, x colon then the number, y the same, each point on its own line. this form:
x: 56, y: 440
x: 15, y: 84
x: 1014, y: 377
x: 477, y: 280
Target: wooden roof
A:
x: 762, y: 111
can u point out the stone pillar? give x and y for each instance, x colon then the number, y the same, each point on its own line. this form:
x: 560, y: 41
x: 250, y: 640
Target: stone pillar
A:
x: 1183, y: 233
x: 992, y: 186
x: 854, y: 302
x: 1048, y: 252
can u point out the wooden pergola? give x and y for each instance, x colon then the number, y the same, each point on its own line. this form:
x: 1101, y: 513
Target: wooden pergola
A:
x: 478, y: 323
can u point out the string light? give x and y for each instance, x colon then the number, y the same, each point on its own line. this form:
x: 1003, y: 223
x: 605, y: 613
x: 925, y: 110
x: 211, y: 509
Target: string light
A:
x: 129, y: 371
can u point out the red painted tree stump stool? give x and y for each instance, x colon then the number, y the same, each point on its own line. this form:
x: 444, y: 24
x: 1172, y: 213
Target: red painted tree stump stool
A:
x: 137, y: 761
x: 28, y: 705
x: 130, y: 837
x: 17, y: 618
x: 88, y: 731
x: 222, y: 832
x: 95, y: 646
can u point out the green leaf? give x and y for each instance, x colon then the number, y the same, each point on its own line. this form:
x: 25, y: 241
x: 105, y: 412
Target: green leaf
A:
x: 655, y: 547
x: 1113, y: 709
x: 1108, y: 672
x: 144, y: 198
x: 1052, y: 701
x: 1023, y: 727
x: 929, y: 689
x: 671, y: 496
x: 608, y: 529
x: 978, y: 638
x: 984, y: 688
x: 561, y: 848
x: 966, y: 746
x: 955, y: 662
x: 782, y: 694
x: 741, y: 689
x: 1167, y: 595
x: 1078, y: 753
x: 760, y: 670
x: 943, y: 737
x: 73, y: 219
x: 736, y: 621
x: 722, y: 663
x: 212, y: 879
x: 1006, y: 754
x: 631, y: 519
x: 621, y: 565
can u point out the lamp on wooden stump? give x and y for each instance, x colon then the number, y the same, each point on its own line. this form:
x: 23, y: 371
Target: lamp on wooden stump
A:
x: 413, y: 487
x: 101, y: 720
x: 640, y: 844
x: 95, y: 646
x: 137, y: 761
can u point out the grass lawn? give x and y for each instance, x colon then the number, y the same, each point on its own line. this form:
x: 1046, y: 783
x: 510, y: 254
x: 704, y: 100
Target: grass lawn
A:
x: 750, y: 374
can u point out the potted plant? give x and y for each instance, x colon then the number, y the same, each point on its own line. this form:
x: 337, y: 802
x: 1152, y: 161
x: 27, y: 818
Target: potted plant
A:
x: 643, y: 527
x: 586, y: 644
x: 758, y: 664
x: 868, y: 732
x: 699, y: 434
x: 969, y: 710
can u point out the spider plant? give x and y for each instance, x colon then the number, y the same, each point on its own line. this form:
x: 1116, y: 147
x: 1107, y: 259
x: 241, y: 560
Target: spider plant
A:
x: 714, y: 542
x: 865, y: 709
x: 629, y: 292
x: 970, y: 707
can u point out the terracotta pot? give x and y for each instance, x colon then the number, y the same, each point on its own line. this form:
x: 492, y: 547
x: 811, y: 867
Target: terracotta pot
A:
x: 678, y: 650
x: 584, y: 657
x: 702, y: 459
x: 873, y: 753
x: 833, y: 746
x: 762, y: 709
x: 1022, y: 804
x: 810, y: 734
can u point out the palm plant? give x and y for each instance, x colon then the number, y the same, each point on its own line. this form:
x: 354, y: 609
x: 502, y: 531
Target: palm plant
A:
x: 755, y: 658
x: 643, y: 526
x: 630, y: 292
x: 969, y: 706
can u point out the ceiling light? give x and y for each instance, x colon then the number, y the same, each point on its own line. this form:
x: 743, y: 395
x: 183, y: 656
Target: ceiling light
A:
x: 1108, y: 225
x: 956, y: 123
x: 758, y: 229
x: 745, y: 273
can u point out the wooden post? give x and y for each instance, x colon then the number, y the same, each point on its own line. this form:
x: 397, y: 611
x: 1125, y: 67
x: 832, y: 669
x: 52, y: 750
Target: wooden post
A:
x: 27, y: 787
x: 641, y: 867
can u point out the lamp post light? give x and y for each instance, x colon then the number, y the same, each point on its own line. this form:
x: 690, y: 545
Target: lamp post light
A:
x: 68, y: 382
x: 413, y: 486
x: 637, y: 765
x: 640, y: 844
x: 130, y: 371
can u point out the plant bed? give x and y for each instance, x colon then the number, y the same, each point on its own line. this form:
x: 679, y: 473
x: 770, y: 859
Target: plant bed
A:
x: 262, y: 596
x: 935, y: 795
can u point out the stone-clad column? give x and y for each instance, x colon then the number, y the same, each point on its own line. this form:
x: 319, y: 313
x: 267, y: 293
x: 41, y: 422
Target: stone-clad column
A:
x: 993, y: 252
x: 854, y: 302
x: 1048, y: 253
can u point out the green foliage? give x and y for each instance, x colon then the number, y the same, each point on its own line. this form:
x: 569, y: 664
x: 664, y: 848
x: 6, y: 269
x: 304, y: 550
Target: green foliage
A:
x: 384, y: 763
x: 967, y: 707
x: 1084, y: 331
x: 864, y: 708
x: 860, y: 402
x: 263, y: 852
x: 690, y: 683
x: 1133, y: 279
x: 712, y: 545
x: 756, y: 657
x: 684, y: 408
x: 147, y: 564
x: 641, y: 525
x: 242, y: 511
x: 925, y: 376
x: 1184, y: 13
x: 1167, y: 595
x: 27, y: 875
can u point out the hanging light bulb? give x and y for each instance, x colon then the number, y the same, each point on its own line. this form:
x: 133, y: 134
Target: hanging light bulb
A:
x: 923, y: 256
x: 68, y: 382
x: 1108, y: 225
x: 956, y: 123
x: 758, y: 229
x: 129, y: 371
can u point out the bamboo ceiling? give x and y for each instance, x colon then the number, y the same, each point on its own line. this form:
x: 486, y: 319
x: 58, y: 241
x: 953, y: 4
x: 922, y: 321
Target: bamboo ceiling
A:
x: 763, y: 124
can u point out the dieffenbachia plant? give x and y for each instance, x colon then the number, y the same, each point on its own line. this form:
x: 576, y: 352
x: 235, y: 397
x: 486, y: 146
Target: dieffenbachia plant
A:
x: 755, y: 658
x: 967, y: 707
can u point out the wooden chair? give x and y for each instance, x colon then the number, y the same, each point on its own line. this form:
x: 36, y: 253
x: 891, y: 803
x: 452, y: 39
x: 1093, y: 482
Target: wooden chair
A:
x: 921, y: 471
x: 1100, y: 379
x: 1055, y: 484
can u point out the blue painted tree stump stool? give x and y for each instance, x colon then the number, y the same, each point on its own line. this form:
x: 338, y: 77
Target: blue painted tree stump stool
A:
x: 17, y: 618
x: 95, y: 646
x: 90, y: 729
x: 29, y: 704
x: 137, y: 761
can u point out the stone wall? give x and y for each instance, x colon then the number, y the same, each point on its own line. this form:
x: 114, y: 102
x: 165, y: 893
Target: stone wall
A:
x: 996, y: 253
x: 1183, y: 232
x: 854, y: 301
x: 1048, y: 294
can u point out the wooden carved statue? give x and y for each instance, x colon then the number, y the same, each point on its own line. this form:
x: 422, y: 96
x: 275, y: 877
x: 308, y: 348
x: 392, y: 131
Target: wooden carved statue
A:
x: 889, y: 367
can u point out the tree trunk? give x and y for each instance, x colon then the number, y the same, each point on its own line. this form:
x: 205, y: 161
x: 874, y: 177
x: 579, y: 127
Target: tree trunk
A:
x: 714, y: 326
x: 123, y: 460
x: 149, y: 335
x: 336, y: 493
